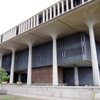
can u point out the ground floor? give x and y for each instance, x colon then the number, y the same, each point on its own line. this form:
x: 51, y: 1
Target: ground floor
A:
x: 71, y: 76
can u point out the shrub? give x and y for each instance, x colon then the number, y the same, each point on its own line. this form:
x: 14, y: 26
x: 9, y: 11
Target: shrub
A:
x: 3, y: 75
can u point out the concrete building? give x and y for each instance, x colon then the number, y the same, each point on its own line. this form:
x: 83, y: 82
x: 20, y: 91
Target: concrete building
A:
x: 60, y: 44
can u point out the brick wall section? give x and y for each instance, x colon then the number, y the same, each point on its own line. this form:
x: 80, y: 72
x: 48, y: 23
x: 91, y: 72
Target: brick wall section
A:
x: 44, y: 75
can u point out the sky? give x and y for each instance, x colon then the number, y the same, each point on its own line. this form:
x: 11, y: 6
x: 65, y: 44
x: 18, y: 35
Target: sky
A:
x: 13, y: 12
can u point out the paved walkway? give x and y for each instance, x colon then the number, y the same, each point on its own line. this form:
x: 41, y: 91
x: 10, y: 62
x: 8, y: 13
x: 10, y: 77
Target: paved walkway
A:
x: 42, y: 97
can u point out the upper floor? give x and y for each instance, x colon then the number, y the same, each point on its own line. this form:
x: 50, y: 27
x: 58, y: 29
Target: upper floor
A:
x: 50, y: 13
x: 71, y: 50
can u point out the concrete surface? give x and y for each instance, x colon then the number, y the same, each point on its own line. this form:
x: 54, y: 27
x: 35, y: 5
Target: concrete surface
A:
x: 55, y: 92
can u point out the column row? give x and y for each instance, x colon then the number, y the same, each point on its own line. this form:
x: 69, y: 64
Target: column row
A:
x: 95, y: 67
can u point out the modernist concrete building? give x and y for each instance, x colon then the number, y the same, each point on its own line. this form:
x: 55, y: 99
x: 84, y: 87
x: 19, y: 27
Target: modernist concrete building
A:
x: 60, y: 44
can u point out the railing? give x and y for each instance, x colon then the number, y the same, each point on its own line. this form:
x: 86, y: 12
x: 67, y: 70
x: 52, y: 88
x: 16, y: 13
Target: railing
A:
x: 42, y: 17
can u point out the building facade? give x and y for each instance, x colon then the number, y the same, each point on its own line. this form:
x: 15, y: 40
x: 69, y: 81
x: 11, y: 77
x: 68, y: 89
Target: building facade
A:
x: 58, y: 45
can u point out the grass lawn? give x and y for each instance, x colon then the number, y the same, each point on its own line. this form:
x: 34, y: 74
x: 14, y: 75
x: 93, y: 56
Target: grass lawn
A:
x: 12, y: 97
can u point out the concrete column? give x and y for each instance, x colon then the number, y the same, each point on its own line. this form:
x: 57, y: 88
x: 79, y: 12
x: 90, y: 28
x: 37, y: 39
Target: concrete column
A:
x: 29, y: 71
x: 14, y: 31
x: 37, y: 20
x: 34, y: 21
x: 67, y: 7
x: 1, y: 60
x: 43, y: 16
x: 19, y: 29
x: 82, y: 1
x: 95, y: 68
x: 12, y: 67
x: 72, y: 6
x: 19, y: 77
x: 76, y: 80
x: 50, y: 12
x: 25, y: 26
x: 22, y: 27
x: 54, y: 10
x: 31, y: 22
x: 62, y: 2
x: 6, y: 35
x: 9, y: 34
x: 28, y: 24
x: 46, y: 14
x: 58, y: 9
x: 55, y: 68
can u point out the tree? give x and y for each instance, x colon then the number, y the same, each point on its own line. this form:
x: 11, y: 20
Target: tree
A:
x: 3, y: 77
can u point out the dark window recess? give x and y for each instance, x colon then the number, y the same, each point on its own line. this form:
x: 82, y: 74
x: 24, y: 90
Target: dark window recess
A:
x: 83, y: 50
x: 40, y: 19
x: 85, y: 0
x: 1, y: 38
x: 76, y: 2
x: 69, y: 5
x: 52, y: 13
x: 48, y: 14
x: 45, y: 15
x: 60, y: 8
x: 17, y: 30
x: 56, y: 11
x: 64, y: 6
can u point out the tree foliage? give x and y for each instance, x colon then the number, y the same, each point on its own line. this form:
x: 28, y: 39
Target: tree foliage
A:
x: 3, y: 75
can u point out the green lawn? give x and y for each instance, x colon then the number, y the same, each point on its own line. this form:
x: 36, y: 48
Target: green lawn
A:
x: 12, y: 97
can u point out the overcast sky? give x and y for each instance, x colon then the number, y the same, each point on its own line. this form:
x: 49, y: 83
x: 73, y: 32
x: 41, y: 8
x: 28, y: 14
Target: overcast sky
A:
x: 13, y: 12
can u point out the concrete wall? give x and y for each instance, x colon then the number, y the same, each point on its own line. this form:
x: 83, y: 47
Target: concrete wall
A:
x: 85, y: 76
x: 6, y: 62
x: 21, y: 60
x: 42, y: 55
x: 69, y: 49
x: 68, y: 92
x: 87, y: 48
